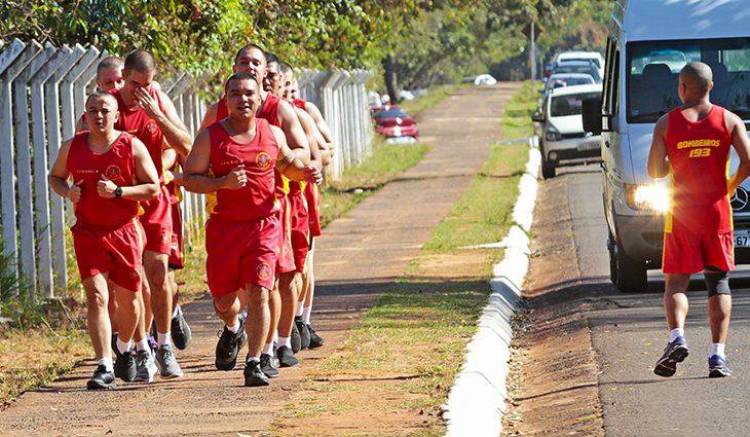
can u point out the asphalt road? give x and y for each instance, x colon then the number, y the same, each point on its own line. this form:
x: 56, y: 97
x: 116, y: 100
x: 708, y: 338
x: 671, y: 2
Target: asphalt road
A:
x: 629, y: 334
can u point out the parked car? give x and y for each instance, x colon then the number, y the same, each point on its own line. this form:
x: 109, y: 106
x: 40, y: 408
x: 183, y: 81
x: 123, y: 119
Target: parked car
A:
x: 595, y: 57
x: 586, y: 67
x: 485, y: 79
x: 562, y: 137
x: 395, y: 123
x: 649, y: 42
x: 561, y: 80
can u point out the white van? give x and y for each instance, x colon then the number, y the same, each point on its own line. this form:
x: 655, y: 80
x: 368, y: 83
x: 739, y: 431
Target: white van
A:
x: 649, y: 42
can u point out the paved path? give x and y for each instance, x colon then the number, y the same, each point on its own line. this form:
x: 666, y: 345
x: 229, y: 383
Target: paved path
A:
x: 357, y: 255
x: 629, y: 333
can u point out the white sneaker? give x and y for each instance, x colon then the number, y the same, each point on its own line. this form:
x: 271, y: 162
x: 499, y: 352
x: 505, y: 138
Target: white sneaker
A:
x: 145, y: 365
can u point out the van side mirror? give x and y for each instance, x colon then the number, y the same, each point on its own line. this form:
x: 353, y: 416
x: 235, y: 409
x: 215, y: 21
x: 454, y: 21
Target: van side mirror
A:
x: 537, y: 117
x: 592, y: 115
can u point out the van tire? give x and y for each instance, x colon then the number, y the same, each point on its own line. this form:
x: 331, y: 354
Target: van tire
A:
x: 548, y: 169
x: 628, y: 274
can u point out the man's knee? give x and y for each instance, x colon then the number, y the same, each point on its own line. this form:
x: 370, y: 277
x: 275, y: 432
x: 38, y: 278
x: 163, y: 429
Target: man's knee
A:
x: 157, y: 270
x: 224, y: 303
x: 258, y: 296
x: 717, y: 282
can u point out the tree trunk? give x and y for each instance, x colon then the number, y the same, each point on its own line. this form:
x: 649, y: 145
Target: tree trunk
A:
x: 390, y: 78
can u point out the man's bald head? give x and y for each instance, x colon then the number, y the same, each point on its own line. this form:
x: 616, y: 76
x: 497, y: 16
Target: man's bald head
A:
x: 697, y: 78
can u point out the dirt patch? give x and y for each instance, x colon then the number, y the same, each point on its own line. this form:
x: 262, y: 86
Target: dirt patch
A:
x: 553, y: 380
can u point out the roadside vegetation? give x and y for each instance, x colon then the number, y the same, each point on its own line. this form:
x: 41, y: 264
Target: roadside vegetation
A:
x: 399, y: 362
x: 434, y: 96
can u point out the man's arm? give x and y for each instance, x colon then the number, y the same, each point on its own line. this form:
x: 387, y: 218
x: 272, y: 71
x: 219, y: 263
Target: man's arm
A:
x: 195, y: 172
x: 319, y: 121
x: 288, y: 164
x: 658, y: 165
x: 742, y: 146
x: 308, y: 125
x: 58, y: 175
x: 165, y: 115
x: 146, y: 178
x: 295, y: 135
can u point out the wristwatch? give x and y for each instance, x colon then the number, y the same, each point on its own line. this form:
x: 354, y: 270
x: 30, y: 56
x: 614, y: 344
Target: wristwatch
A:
x: 118, y: 192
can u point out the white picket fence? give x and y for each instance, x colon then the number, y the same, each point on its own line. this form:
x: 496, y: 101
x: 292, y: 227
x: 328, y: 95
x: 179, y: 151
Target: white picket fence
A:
x: 42, y: 92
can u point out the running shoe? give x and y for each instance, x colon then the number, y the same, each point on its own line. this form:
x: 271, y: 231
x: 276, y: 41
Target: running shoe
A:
x: 228, y: 347
x: 296, y: 339
x: 674, y: 353
x: 101, y: 380
x: 718, y: 367
x: 152, y: 343
x: 145, y: 366
x: 304, y: 333
x: 125, y: 366
x: 181, y: 333
x: 167, y: 362
x: 266, y: 365
x: 254, y: 376
x: 114, y: 345
x: 315, y: 339
x: 286, y: 357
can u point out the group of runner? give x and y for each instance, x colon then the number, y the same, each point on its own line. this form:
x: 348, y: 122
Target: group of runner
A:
x: 258, y: 156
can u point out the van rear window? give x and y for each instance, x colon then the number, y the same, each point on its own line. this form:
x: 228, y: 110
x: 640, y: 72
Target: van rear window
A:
x: 654, y: 66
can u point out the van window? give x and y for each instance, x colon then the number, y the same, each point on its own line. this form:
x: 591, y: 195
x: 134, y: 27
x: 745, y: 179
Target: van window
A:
x: 653, y: 68
x: 562, y: 106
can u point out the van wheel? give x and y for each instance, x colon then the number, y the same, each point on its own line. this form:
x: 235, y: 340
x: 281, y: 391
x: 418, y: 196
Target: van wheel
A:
x: 548, y: 169
x: 628, y: 274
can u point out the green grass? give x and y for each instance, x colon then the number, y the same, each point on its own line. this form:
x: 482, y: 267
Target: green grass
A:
x: 516, y: 120
x: 435, y: 95
x: 386, y: 162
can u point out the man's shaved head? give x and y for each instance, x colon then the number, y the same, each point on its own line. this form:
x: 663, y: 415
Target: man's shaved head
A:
x: 108, y: 63
x: 100, y: 95
x: 140, y: 61
x: 246, y: 48
x: 697, y: 77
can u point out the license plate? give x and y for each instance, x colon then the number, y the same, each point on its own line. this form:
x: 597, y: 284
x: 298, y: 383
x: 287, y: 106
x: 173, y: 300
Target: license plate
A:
x: 742, y: 238
x: 588, y: 146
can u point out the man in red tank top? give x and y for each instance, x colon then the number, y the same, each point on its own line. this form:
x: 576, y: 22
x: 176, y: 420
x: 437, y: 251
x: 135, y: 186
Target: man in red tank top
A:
x: 692, y: 144
x: 111, y: 173
x: 151, y: 116
x: 238, y: 158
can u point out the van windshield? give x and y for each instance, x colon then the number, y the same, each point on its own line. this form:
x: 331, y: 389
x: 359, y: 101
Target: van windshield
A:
x: 653, y: 68
x: 572, y: 104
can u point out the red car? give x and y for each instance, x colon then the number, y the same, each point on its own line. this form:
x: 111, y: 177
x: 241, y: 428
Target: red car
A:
x: 395, y: 123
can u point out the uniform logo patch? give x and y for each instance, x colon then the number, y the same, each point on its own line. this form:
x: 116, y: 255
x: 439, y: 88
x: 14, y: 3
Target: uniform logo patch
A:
x: 264, y: 271
x: 113, y: 172
x: 263, y: 160
x: 151, y: 127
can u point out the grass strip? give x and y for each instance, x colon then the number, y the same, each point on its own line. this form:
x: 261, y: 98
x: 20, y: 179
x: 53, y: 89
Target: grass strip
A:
x: 434, y: 96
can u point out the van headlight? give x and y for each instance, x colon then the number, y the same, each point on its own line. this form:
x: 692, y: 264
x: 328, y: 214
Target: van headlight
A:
x: 654, y: 197
x: 552, y: 134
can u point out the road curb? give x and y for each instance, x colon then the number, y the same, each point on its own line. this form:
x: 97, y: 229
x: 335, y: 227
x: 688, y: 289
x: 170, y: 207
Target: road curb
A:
x: 476, y: 402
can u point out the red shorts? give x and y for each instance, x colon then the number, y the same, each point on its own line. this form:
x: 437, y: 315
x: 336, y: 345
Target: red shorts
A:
x: 285, y: 261
x: 118, y: 253
x: 176, y: 254
x: 312, y: 195
x: 687, y: 252
x: 157, y: 223
x: 241, y: 253
x: 300, y: 230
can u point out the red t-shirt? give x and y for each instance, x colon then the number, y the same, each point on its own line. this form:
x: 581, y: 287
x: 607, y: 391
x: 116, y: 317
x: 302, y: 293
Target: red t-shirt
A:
x: 87, y: 169
x: 256, y: 199
x: 699, y: 156
x: 299, y: 103
x: 136, y: 121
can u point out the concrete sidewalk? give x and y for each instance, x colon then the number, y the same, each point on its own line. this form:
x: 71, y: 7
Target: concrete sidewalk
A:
x: 358, y: 253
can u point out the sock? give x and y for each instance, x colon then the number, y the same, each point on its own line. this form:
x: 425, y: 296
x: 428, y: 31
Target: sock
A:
x: 268, y: 349
x: 142, y: 345
x: 164, y: 339
x: 717, y: 349
x: 285, y: 341
x: 174, y: 312
x: 252, y: 359
x: 108, y: 364
x: 306, y: 314
x: 276, y: 338
x: 123, y: 347
x: 676, y: 332
x: 234, y: 328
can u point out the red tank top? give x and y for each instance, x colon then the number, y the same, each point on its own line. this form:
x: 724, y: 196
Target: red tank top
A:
x: 137, y: 122
x: 87, y: 169
x: 270, y: 110
x: 255, y: 200
x: 699, y: 156
x: 299, y: 103
x: 221, y: 109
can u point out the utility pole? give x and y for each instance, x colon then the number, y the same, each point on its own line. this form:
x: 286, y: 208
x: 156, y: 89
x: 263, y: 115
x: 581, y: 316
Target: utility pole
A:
x: 532, y: 51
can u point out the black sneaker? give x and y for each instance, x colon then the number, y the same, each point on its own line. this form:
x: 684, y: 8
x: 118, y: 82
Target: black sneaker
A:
x: 286, y: 357
x: 228, y: 347
x: 315, y: 339
x: 125, y: 367
x: 101, y: 380
x: 304, y: 333
x: 114, y: 345
x: 254, y: 376
x: 266, y: 366
x: 296, y: 339
x: 180, y: 330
